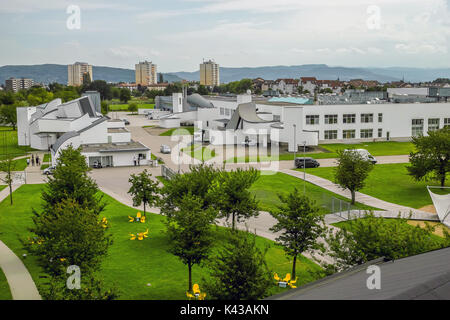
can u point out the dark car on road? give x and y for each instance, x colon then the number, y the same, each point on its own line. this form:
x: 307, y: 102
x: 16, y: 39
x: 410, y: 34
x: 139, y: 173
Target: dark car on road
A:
x: 306, y: 162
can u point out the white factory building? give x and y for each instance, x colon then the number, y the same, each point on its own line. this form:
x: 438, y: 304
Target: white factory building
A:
x: 56, y: 125
x: 235, y: 120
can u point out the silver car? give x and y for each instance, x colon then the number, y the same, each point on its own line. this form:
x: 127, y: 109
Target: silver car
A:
x: 165, y: 149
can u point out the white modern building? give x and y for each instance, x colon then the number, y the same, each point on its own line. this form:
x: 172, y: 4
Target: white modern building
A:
x: 56, y: 125
x: 236, y: 120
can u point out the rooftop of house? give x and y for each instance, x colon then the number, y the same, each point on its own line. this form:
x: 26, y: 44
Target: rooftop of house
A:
x: 114, y: 147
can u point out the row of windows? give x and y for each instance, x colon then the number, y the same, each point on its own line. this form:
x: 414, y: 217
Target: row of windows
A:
x: 351, y: 134
x: 417, y: 125
x: 346, y: 118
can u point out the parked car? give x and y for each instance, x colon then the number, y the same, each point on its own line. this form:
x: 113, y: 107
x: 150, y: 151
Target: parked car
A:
x: 304, y: 162
x: 125, y: 121
x: 165, y: 149
x: 364, y: 154
x: 97, y: 165
x: 49, y: 170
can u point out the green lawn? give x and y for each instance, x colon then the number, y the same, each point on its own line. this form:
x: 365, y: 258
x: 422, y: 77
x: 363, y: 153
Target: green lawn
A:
x: 124, y: 107
x: 389, y: 182
x: 5, y: 293
x: 179, y: 131
x: 132, y: 265
x: 200, y: 153
x: 9, y: 144
x: 267, y: 187
x: 385, y: 148
x: 2, y: 186
x: 44, y: 166
x: 47, y: 158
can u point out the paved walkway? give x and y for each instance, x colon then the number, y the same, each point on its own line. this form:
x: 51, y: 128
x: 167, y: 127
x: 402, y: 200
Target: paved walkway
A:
x: 19, y: 279
x: 391, y: 210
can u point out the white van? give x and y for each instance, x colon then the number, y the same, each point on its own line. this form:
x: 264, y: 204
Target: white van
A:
x: 364, y: 154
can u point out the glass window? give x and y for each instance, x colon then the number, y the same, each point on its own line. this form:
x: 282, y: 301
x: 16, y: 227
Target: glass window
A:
x: 366, y: 133
x: 417, y: 127
x: 331, y: 118
x: 312, y: 119
x: 227, y: 112
x: 380, y: 133
x: 222, y: 111
x: 348, y: 134
x: 446, y: 122
x: 348, y: 118
x: 433, y: 124
x: 380, y: 117
x: 330, y: 134
x: 276, y: 117
x: 366, y: 117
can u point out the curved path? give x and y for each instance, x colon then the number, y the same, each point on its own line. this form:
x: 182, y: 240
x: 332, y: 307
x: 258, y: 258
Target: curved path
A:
x: 19, y: 279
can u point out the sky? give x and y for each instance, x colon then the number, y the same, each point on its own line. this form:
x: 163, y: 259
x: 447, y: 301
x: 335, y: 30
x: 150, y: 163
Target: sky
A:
x: 178, y: 34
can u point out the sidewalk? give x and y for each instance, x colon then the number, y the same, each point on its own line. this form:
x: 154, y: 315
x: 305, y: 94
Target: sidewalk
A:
x: 391, y: 210
x: 19, y: 279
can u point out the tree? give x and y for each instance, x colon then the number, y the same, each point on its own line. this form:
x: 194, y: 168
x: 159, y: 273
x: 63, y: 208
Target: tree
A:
x: 70, y: 180
x: 8, y: 115
x: 197, y: 182
x: 104, y: 107
x: 431, y: 160
x: 38, y: 95
x: 189, y: 230
x: 351, y: 171
x: 7, y: 97
x: 125, y: 95
x: 101, y: 86
x: 202, y: 90
x: 133, y: 107
x: 239, y: 270
x: 369, y: 238
x: 300, y: 224
x: 232, y: 195
x: 143, y: 189
x: 8, y: 166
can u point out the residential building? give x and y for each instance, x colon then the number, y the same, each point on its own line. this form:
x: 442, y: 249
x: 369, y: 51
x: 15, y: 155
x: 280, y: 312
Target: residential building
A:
x: 77, y: 72
x: 209, y: 74
x: 15, y: 84
x: 308, y: 83
x: 145, y: 73
x: 55, y: 125
x: 287, y: 86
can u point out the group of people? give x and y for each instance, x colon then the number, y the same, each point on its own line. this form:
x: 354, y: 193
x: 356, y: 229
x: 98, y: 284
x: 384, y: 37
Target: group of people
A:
x: 34, y: 159
x: 137, y: 160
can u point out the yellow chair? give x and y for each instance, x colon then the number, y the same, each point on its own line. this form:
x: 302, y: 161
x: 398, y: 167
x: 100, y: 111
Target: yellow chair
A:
x: 287, y: 278
x: 276, y: 277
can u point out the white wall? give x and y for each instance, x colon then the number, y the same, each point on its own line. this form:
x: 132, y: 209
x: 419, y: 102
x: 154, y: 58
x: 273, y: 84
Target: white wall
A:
x: 169, y: 123
x: 96, y: 134
x: 23, y: 126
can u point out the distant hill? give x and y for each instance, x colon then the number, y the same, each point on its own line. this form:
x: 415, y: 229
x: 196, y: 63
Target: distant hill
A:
x: 47, y: 73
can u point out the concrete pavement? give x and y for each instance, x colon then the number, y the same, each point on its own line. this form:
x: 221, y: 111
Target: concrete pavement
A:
x: 19, y: 279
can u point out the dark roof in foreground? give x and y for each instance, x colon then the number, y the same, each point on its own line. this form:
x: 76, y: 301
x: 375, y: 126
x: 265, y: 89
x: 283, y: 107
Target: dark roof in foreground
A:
x: 424, y: 276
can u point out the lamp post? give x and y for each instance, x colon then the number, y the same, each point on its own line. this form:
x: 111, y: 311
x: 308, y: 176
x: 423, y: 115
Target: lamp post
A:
x: 295, y: 142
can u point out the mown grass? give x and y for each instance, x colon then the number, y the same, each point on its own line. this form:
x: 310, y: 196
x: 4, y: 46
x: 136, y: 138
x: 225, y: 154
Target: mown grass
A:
x: 9, y: 144
x: 389, y: 182
x: 382, y: 148
x: 5, y: 292
x: 140, y: 269
x: 267, y: 188
x: 2, y: 186
x: 182, y: 131
x: 200, y: 153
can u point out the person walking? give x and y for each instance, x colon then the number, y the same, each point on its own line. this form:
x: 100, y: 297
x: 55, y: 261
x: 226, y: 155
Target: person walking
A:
x: 134, y: 159
x: 32, y: 160
x: 28, y: 162
x: 37, y: 160
x: 139, y: 160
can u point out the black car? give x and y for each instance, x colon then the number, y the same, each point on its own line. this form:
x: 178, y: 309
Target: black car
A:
x: 306, y: 162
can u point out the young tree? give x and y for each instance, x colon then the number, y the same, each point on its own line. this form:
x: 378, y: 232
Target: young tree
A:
x: 300, y: 224
x: 70, y: 180
x: 432, y: 158
x: 125, y: 95
x: 197, y: 182
x: 239, y: 270
x: 232, y: 195
x: 133, y: 107
x: 189, y: 230
x: 8, y: 166
x: 143, y: 189
x: 351, y: 171
x: 8, y: 115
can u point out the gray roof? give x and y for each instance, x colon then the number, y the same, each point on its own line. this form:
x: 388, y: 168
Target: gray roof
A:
x: 114, y: 147
x: 245, y: 112
x: 93, y: 124
x: 66, y: 136
x: 424, y: 276
x: 197, y: 101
